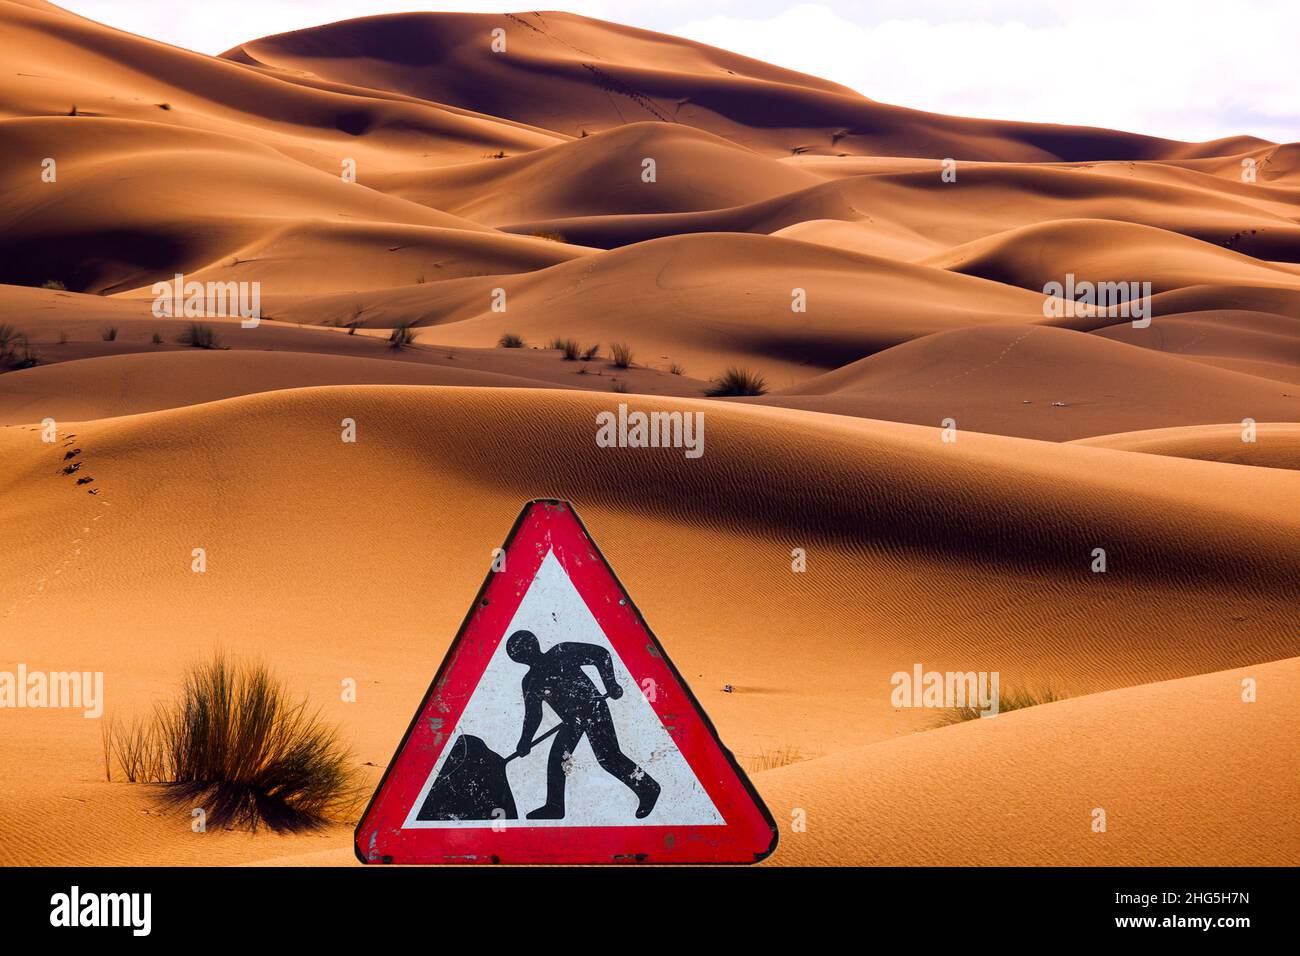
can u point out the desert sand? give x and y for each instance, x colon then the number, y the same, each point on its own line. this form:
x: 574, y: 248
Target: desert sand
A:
x: 518, y: 177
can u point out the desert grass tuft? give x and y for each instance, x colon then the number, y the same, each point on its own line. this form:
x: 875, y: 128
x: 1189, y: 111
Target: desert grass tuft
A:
x: 569, y: 347
x: 621, y: 354
x: 10, y: 338
x: 402, y: 337
x: 738, y: 381
x: 26, y: 357
x: 15, y: 351
x: 234, y: 744
x: 109, y: 334
x: 510, y: 341
x: 199, y: 336
x: 1007, y: 701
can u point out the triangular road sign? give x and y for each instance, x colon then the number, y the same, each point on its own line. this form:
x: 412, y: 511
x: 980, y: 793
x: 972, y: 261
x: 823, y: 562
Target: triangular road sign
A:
x: 558, y: 731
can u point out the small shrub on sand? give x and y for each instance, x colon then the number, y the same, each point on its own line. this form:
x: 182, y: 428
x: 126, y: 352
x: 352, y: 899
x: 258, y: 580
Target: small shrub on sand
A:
x: 591, y: 352
x: 569, y: 347
x: 109, y: 334
x: 15, y: 351
x: 199, y: 336
x: 676, y: 369
x: 510, y: 341
x: 235, y: 744
x: 402, y: 337
x: 621, y: 354
x: 619, y: 387
x: 738, y: 381
x: 156, y: 338
x: 26, y: 357
x: 1007, y: 701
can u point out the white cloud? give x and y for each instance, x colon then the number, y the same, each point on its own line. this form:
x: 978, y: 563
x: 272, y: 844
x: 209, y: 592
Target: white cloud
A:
x: 1190, y: 70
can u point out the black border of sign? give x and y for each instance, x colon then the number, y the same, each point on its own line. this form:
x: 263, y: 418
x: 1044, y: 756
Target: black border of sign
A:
x: 690, y: 695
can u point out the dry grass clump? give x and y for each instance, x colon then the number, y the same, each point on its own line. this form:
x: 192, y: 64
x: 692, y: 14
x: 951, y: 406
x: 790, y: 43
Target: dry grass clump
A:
x: 738, y: 381
x: 235, y: 744
x: 1007, y: 701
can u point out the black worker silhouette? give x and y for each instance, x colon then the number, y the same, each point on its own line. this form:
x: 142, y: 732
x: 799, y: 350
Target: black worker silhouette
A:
x: 556, y: 678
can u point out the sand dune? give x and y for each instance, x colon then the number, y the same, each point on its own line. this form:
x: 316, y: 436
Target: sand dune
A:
x: 1025, y: 785
x: 873, y: 239
x: 986, y: 199
x: 573, y: 75
x: 1256, y: 341
x: 603, y: 175
x: 853, y: 493
x: 707, y: 301
x: 310, y: 232
x: 147, y: 378
x: 1275, y: 444
x: 1039, y: 382
x: 874, y: 483
x: 129, y: 384
x: 106, y: 72
x: 1097, y: 251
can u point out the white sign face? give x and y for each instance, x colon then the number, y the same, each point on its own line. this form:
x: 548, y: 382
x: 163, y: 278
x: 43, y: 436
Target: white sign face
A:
x: 643, y: 767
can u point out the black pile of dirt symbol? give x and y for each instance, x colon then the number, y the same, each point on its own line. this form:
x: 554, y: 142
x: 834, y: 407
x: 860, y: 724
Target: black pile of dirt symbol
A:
x: 471, y: 786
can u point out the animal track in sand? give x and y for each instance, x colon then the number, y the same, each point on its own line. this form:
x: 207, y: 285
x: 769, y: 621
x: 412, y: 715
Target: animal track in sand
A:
x: 73, y: 550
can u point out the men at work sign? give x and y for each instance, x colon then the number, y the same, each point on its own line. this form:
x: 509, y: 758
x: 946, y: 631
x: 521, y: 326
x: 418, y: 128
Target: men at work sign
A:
x: 557, y: 730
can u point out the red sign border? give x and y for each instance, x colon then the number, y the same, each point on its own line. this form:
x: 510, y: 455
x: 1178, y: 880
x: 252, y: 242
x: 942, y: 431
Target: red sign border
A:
x: 748, y: 819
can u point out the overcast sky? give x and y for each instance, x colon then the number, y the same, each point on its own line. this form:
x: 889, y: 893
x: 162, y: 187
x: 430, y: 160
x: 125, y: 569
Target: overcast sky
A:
x: 1186, y: 69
